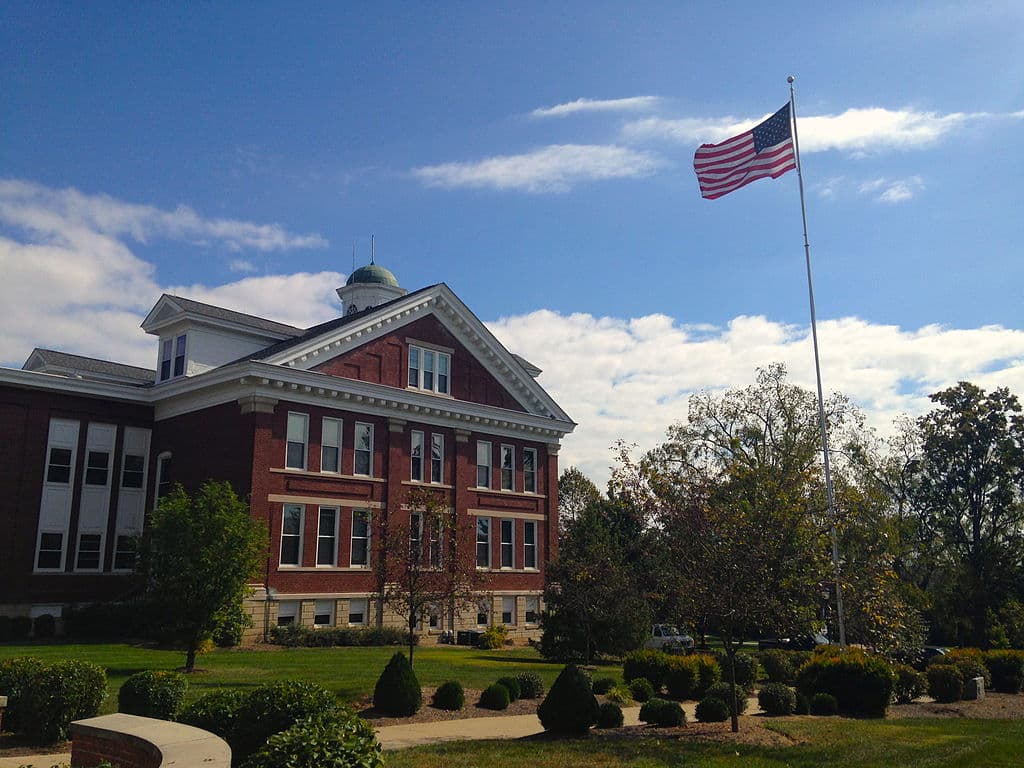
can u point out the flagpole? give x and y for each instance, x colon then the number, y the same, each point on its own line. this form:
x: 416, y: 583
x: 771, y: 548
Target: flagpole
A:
x: 817, y: 371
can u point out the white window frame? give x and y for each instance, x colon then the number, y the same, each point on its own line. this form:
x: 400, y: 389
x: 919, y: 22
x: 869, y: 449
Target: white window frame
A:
x: 323, y: 608
x: 416, y: 536
x: 162, y: 463
x: 529, y: 549
x: 356, y: 450
x: 333, y: 536
x: 99, y: 536
x: 364, y: 603
x: 484, y: 607
x: 180, y: 352
x: 119, y: 550
x: 289, y: 609
x: 170, y: 355
x: 57, y: 495
x: 508, y: 465
x: 301, y: 422
x: 419, y: 377
x: 416, y: 456
x: 166, y: 358
x: 484, y: 450
x: 352, y: 538
x: 535, y: 600
x: 436, y: 442
x: 486, y: 521
x: 508, y: 609
x: 530, y: 477
x: 299, y: 536
x: 509, y: 546
x: 89, y: 452
x: 330, y: 437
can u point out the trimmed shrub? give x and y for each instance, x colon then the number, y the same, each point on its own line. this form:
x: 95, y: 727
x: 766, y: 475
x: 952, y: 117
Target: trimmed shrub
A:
x: 531, y: 686
x: 681, y: 678
x: 641, y: 689
x: 803, y: 706
x: 777, y: 699
x: 862, y: 684
x: 59, y: 693
x: 5, y: 629
x: 494, y: 696
x: 651, y: 665
x: 708, y: 673
x: 945, y: 684
x: 295, y: 636
x: 21, y: 627
x: 778, y: 665
x: 723, y: 691
x: 1007, y: 669
x: 17, y: 678
x: 44, y: 627
x: 620, y: 694
x: 398, y: 692
x: 512, y: 685
x: 273, y: 708
x: 609, y: 715
x: 153, y: 694
x: 336, y: 739
x: 493, y: 637
x: 711, y: 709
x: 970, y: 662
x: 604, y: 684
x: 746, y: 669
x: 449, y: 696
x: 215, y: 712
x: 662, y: 713
x: 569, y: 707
x: 824, y: 705
x: 909, y: 684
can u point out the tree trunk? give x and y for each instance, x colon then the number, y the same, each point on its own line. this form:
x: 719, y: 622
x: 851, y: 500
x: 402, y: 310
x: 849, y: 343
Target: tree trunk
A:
x: 412, y: 636
x: 190, y: 656
x: 730, y: 652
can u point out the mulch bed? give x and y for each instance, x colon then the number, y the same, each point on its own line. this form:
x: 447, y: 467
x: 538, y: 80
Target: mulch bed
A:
x: 995, y: 706
x: 430, y: 714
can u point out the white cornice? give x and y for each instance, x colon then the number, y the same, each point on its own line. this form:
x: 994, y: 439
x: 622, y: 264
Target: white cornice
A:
x: 73, y: 386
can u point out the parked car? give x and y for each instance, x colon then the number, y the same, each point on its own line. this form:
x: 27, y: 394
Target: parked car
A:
x: 806, y: 642
x: 666, y: 637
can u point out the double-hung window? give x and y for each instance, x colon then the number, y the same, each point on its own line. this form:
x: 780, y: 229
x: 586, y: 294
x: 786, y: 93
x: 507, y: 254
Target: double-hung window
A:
x: 179, y: 356
x: 358, y: 607
x: 172, y: 358
x: 330, y: 445
x: 483, y: 613
x: 323, y: 613
x: 532, y: 610
x: 363, y: 449
x: 436, y: 458
x: 507, y: 543
x: 327, y: 537
x: 415, y: 537
x: 483, y: 542
x: 97, y: 467
x: 298, y: 440
x: 529, y: 544
x: 58, y: 469
x: 360, y: 538
x: 483, y: 464
x: 416, y: 456
x: 429, y: 369
x: 508, y: 468
x: 88, y: 557
x: 530, y: 470
x: 508, y: 610
x: 287, y: 613
x: 434, y: 541
x: 133, y: 471
x: 291, y: 534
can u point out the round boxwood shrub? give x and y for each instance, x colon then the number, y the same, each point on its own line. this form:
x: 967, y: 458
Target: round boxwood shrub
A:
x: 609, y: 715
x: 620, y: 694
x: 58, y: 694
x: 651, y: 665
x: 449, y: 696
x: 273, y: 708
x: 530, y: 685
x: 662, y: 713
x: 21, y: 627
x: 909, y: 684
x: 1007, y: 669
x: 824, y: 705
x: 570, y: 706
x: 494, y: 696
x: 723, y: 691
x: 153, y: 694
x: 604, y: 684
x: 641, y: 688
x: 215, y: 712
x: 746, y: 669
x: 777, y: 699
x: 712, y: 709
x: 44, y: 627
x: 398, y: 692
x: 17, y: 678
x: 335, y: 739
x: 945, y: 683
x: 512, y: 685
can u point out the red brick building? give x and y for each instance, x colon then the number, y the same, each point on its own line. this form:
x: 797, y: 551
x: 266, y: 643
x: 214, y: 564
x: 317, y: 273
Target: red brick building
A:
x: 325, y: 429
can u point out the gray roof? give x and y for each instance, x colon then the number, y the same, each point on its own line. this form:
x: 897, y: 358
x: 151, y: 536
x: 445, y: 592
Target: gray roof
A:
x: 229, y: 315
x: 67, y: 364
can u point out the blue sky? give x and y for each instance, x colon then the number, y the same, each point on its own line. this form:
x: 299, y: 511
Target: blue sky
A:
x: 538, y: 160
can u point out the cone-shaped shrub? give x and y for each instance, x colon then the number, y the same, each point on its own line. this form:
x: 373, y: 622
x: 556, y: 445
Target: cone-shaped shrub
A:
x: 570, y: 707
x: 398, y: 691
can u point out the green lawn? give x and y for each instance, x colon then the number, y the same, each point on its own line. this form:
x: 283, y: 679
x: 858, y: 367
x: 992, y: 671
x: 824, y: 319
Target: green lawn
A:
x: 951, y: 743
x: 350, y: 672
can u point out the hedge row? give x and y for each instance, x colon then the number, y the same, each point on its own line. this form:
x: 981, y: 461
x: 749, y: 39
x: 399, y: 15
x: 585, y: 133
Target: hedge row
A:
x: 683, y: 677
x: 295, y: 636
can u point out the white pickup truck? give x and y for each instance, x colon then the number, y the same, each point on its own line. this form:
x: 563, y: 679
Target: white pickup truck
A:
x: 666, y: 637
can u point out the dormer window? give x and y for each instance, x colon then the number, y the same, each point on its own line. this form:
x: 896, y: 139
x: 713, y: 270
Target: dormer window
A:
x: 172, y: 358
x: 429, y: 369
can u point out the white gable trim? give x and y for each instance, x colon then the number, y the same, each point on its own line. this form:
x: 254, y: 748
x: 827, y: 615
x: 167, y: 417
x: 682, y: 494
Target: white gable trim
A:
x: 167, y: 313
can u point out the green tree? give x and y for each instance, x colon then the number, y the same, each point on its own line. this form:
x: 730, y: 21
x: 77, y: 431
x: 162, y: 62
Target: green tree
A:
x: 968, y: 492
x: 576, y: 492
x: 198, y: 557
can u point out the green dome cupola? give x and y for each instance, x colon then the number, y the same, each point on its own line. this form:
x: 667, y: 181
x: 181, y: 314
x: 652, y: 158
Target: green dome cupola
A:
x: 369, y: 286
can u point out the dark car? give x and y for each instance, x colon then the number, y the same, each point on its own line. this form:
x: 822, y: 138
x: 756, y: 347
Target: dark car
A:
x: 806, y: 642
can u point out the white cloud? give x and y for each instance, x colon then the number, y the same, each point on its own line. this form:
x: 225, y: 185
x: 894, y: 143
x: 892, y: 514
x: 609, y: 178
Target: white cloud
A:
x: 855, y: 130
x: 630, y: 378
x: 555, y: 168
x: 241, y: 265
x: 882, y: 189
x: 630, y: 104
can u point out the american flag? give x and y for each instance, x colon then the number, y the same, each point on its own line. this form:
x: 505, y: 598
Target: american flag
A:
x: 762, y: 152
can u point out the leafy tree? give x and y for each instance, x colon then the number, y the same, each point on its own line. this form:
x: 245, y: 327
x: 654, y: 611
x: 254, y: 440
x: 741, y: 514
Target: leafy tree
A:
x: 198, y: 556
x: 426, y: 561
x: 576, y: 492
x: 968, y: 492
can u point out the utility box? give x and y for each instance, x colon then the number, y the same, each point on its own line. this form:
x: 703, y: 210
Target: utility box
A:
x: 468, y: 637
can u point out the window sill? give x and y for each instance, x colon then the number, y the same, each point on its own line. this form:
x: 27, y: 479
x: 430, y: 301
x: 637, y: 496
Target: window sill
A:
x: 431, y: 392
x: 499, y: 492
x: 325, y: 475
x: 425, y: 484
x: 323, y: 568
